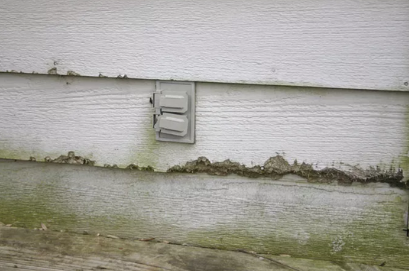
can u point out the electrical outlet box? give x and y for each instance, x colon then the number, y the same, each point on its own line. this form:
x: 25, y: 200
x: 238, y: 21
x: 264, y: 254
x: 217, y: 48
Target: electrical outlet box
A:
x: 174, y: 111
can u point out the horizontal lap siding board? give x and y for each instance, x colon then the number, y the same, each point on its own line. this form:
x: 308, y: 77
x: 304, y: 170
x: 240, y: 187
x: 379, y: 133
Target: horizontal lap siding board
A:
x: 337, y: 44
x: 359, y: 223
x: 110, y: 121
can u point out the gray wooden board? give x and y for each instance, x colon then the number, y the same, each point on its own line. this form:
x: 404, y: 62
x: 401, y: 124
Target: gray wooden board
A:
x: 22, y: 249
x: 358, y: 223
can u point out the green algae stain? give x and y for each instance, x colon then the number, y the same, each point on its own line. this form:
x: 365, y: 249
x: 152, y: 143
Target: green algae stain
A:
x: 13, y: 154
x: 372, y: 238
x: 375, y: 237
x: 11, y: 151
x: 404, y: 160
x: 148, y: 156
x: 39, y: 206
x: 27, y: 205
x: 358, y: 242
x: 145, y: 154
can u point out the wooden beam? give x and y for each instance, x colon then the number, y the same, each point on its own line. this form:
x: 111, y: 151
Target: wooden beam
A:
x: 22, y: 249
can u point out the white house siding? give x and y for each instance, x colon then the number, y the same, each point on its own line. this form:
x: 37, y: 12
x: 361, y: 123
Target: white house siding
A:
x: 110, y: 121
x: 320, y: 81
x: 320, y: 43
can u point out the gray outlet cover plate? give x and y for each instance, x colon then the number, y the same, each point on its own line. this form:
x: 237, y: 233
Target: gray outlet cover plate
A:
x: 189, y: 87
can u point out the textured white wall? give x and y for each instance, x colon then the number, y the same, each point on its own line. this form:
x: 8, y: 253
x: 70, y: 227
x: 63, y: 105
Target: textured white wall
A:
x: 109, y: 120
x: 331, y: 43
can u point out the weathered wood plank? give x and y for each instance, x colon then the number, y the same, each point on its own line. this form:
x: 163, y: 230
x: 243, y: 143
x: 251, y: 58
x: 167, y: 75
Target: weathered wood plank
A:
x: 29, y: 250
x: 109, y: 121
x: 358, y: 223
x: 341, y: 44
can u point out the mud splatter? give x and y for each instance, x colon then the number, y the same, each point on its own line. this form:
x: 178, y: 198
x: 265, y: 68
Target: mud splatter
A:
x: 52, y: 71
x: 73, y: 73
x: 136, y: 167
x: 71, y: 158
x: 276, y: 167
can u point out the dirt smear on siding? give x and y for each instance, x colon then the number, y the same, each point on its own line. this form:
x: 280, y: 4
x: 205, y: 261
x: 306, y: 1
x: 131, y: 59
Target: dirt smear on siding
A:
x: 73, y: 159
x: 70, y: 158
x: 276, y: 167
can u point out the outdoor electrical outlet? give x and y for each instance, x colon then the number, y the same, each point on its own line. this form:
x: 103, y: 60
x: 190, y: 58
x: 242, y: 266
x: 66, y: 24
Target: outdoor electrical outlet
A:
x: 174, y: 116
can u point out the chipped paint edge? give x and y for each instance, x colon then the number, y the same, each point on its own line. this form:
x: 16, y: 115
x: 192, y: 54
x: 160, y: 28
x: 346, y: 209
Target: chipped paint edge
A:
x: 54, y: 71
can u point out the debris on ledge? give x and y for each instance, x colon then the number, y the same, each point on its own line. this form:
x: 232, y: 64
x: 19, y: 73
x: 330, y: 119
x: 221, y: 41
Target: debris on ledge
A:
x: 71, y: 158
x: 276, y: 167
